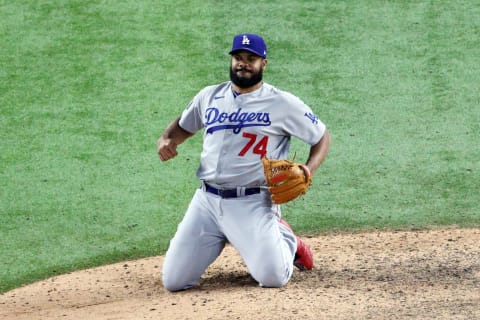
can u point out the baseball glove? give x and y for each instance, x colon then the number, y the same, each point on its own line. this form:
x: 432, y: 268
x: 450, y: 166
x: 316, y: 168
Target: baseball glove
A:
x: 286, y: 179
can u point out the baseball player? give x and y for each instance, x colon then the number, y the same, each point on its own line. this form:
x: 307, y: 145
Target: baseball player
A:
x: 244, y: 120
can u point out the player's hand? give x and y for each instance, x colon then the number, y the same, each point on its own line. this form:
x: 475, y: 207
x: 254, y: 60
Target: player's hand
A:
x: 166, y: 148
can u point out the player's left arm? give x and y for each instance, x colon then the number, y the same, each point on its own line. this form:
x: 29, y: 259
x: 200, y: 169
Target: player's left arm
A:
x: 318, y: 153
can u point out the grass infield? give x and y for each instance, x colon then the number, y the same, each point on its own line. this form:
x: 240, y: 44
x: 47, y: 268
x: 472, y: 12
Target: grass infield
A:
x: 86, y: 88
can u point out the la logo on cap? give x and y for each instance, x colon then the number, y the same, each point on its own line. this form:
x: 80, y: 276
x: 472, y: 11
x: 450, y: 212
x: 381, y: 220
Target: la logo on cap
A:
x: 245, y: 40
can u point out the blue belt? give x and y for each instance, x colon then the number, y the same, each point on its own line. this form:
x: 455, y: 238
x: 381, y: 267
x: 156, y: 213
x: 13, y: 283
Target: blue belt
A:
x: 230, y: 193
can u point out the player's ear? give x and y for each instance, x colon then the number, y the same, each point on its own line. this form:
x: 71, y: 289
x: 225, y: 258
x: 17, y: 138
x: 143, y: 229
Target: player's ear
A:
x: 264, y: 64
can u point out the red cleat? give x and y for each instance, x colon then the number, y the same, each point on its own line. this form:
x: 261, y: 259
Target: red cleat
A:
x: 303, y: 257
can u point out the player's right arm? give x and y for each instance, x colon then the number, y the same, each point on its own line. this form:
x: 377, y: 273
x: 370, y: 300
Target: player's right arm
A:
x: 170, y: 139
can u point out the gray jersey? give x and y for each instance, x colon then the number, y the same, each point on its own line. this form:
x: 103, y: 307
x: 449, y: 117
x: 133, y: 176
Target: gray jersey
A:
x: 240, y: 130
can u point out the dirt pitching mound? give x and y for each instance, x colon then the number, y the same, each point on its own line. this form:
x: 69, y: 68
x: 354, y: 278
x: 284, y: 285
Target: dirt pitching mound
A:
x: 433, y: 274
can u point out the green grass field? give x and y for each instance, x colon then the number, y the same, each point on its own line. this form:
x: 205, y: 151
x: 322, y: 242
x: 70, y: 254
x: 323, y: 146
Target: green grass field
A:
x: 86, y: 88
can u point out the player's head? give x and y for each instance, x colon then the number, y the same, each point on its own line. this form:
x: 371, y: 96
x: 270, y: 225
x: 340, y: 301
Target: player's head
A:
x: 249, y: 58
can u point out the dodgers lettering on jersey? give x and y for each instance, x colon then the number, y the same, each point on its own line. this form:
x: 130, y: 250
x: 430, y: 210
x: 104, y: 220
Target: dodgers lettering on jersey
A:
x: 236, y: 120
x: 240, y: 130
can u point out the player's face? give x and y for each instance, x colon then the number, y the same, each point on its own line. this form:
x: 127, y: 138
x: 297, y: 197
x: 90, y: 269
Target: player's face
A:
x: 246, y: 69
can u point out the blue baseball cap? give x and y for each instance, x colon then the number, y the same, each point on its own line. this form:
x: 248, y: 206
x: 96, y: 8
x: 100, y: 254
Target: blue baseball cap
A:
x: 250, y: 42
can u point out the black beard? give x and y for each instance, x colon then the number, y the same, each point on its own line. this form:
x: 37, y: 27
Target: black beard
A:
x: 244, y: 82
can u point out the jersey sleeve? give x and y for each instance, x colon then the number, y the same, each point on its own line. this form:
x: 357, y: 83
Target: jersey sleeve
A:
x: 191, y: 118
x: 302, y: 122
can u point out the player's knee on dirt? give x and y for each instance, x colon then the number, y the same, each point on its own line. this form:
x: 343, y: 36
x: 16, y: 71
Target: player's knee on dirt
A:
x: 175, y: 283
x: 272, y: 278
x: 273, y: 282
